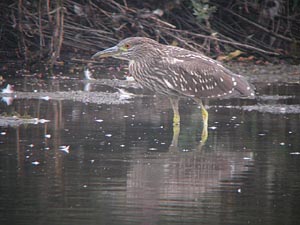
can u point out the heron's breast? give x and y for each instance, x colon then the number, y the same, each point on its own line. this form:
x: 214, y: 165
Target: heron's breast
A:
x: 145, y: 74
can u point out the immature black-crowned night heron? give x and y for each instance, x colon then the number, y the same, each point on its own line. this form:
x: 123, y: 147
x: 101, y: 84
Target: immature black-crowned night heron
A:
x: 177, y: 72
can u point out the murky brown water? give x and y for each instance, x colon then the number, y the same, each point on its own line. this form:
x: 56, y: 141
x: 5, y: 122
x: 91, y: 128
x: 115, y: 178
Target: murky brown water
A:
x: 85, y: 162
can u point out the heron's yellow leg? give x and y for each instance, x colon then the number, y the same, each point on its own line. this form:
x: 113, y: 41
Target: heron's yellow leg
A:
x: 176, y: 116
x: 205, y: 124
x: 204, y: 114
x: 176, y: 121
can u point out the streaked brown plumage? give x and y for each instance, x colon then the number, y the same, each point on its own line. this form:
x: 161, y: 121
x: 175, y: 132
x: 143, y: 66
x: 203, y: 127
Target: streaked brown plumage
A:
x: 177, y: 72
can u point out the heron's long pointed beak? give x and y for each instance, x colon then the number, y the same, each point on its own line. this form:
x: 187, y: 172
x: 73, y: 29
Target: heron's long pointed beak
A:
x: 113, y: 51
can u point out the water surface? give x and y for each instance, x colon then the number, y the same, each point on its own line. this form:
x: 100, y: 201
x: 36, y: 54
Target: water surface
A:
x: 90, y: 159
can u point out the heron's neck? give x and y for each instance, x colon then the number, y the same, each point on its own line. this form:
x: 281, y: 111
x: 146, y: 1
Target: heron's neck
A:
x: 140, y: 55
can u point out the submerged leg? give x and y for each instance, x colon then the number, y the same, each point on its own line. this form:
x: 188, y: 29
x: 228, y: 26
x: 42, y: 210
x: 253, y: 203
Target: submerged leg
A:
x: 204, y: 114
x: 176, y: 121
x: 176, y: 131
x: 176, y: 116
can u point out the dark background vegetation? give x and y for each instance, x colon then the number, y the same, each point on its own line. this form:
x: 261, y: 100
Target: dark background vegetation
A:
x: 52, y: 30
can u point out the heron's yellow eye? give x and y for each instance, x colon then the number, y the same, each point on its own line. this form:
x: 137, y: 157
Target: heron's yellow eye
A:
x: 127, y: 46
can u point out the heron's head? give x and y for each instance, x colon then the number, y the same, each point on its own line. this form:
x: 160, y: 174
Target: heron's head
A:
x: 129, y: 49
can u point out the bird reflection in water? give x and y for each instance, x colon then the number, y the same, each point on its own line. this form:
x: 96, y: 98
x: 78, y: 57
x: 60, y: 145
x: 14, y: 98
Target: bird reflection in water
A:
x: 8, y: 90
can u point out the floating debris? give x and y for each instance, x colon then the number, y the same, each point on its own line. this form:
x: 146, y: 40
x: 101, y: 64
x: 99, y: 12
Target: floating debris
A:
x: 35, y: 163
x: 8, y: 89
x: 294, y: 153
x: 15, y: 121
x: 130, y: 78
x: 233, y: 118
x: 47, y: 135
x: 8, y: 100
x: 65, y: 148
x: 79, y: 96
x: 275, y: 97
x: 247, y: 158
x: 42, y: 121
x: 99, y: 121
x: 124, y: 95
x: 88, y: 74
x: 87, y: 87
x: 274, y: 109
x: 47, y: 98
